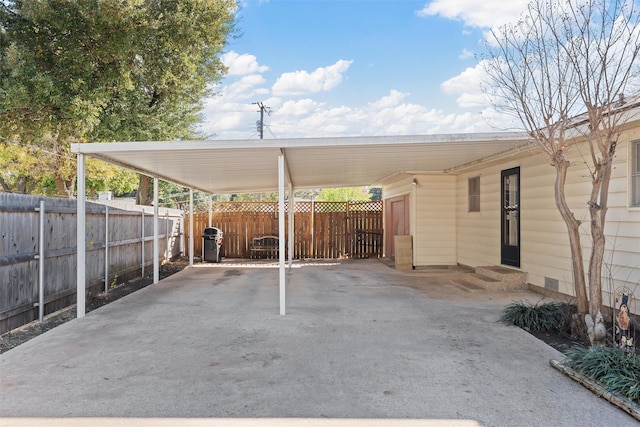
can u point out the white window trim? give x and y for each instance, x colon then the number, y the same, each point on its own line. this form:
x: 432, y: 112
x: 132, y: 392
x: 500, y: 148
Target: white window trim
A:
x: 469, y: 195
x: 634, y: 175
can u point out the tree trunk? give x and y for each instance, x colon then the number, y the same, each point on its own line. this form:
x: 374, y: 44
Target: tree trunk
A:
x: 573, y: 228
x: 65, y: 169
x: 144, y: 196
x: 595, y: 262
x: 22, y: 184
x: 5, y: 186
x: 65, y: 187
x: 598, y: 212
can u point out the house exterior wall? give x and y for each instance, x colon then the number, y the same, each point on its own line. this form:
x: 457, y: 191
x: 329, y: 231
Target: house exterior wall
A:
x: 397, y: 188
x: 434, y: 220
x: 446, y: 233
x: 545, y: 253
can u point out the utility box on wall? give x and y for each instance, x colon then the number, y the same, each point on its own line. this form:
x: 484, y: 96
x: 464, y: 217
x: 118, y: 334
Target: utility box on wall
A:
x: 404, y: 252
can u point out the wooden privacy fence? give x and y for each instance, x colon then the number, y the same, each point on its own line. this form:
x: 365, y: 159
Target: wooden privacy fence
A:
x: 321, y: 229
x: 128, y: 235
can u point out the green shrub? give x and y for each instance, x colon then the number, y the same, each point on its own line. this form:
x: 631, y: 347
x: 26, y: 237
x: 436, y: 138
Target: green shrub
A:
x: 548, y: 316
x: 616, y: 371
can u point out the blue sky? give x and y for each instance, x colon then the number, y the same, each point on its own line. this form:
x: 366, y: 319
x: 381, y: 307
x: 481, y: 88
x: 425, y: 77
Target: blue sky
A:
x: 356, y: 67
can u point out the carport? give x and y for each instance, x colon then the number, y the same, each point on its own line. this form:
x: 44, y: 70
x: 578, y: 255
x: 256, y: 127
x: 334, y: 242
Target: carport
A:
x: 284, y: 165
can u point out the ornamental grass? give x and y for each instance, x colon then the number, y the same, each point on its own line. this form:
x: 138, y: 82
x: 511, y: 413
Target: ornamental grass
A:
x: 543, y: 317
x: 615, y: 371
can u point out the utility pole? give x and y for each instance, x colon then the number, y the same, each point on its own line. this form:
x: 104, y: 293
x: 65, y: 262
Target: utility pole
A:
x: 260, y: 123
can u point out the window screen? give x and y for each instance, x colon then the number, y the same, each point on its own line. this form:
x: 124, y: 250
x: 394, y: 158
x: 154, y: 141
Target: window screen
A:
x: 474, y: 194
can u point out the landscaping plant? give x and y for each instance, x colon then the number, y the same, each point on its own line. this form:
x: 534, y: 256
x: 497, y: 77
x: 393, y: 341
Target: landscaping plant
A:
x: 543, y: 317
x: 617, y: 372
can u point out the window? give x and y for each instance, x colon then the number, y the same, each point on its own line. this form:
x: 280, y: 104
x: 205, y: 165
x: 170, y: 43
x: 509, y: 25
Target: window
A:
x: 635, y: 173
x: 474, y: 194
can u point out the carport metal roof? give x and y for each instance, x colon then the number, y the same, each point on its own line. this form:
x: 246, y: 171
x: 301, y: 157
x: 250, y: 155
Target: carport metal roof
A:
x: 244, y: 166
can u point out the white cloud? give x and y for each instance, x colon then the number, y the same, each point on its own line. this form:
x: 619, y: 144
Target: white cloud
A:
x: 302, y: 82
x: 298, y: 108
x: 467, y: 85
x: 232, y: 115
x: 239, y: 65
x: 391, y: 114
x: 245, y: 87
x: 394, y: 98
x: 474, y: 13
x: 466, y: 54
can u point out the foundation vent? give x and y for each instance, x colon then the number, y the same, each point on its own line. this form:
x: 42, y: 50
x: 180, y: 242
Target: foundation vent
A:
x: 550, y: 283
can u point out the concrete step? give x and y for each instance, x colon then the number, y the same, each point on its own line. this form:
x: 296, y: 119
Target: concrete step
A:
x: 490, y: 278
x: 483, y: 281
x: 466, y: 285
x: 504, y: 278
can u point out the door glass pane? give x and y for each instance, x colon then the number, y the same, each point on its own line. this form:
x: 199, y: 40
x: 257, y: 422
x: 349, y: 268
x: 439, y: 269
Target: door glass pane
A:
x: 510, y: 206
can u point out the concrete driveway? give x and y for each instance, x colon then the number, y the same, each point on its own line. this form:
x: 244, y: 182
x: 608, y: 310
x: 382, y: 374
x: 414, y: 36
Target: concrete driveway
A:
x: 359, y: 341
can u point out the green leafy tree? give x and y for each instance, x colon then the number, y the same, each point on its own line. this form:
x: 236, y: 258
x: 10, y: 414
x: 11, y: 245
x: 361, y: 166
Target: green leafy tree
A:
x: 105, y: 70
x: 20, y: 172
x: 376, y: 193
x: 343, y: 194
x: 103, y: 176
x: 27, y: 170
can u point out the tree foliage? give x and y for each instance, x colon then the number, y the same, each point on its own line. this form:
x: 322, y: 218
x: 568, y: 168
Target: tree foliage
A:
x: 105, y: 70
x: 562, y: 71
x: 20, y: 170
x: 343, y: 194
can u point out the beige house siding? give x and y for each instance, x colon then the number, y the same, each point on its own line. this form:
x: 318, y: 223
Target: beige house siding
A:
x: 434, y: 220
x: 446, y: 233
x: 479, y: 232
x: 397, y: 188
x: 544, y: 244
x: 432, y: 216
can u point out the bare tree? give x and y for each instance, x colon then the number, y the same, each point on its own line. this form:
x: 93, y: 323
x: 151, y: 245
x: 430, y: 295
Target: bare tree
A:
x: 562, y: 71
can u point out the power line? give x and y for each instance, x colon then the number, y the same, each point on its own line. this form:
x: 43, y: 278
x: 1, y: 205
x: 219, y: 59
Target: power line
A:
x: 269, y: 129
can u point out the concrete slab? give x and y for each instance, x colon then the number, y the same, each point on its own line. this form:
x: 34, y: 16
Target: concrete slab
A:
x: 360, y: 341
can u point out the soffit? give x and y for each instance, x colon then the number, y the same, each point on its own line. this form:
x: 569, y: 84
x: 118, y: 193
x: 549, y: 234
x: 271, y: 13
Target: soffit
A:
x: 239, y: 166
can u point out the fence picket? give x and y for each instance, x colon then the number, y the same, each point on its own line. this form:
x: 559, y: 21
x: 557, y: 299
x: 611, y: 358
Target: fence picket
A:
x: 321, y: 229
x: 19, y: 228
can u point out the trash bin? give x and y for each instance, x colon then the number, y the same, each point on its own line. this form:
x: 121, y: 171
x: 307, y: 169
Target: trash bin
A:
x: 212, y: 244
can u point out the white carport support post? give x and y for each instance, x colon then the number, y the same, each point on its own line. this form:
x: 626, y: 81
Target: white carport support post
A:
x: 41, y: 259
x: 106, y: 249
x: 281, y: 232
x: 81, y: 246
x: 142, y: 236
x: 292, y: 206
x: 156, y: 228
x: 191, y: 227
